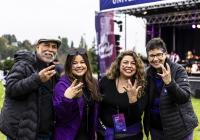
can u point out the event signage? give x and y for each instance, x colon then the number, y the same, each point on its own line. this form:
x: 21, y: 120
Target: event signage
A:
x: 106, y: 48
x: 109, y: 4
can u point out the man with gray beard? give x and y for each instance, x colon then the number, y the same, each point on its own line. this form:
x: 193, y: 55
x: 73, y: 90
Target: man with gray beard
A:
x: 27, y: 113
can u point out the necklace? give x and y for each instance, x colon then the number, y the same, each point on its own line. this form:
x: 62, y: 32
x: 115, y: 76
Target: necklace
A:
x: 120, y: 87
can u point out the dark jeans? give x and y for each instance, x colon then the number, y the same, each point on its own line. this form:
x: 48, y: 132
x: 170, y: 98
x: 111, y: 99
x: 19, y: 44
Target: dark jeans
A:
x: 41, y: 137
x: 44, y: 137
x: 156, y: 134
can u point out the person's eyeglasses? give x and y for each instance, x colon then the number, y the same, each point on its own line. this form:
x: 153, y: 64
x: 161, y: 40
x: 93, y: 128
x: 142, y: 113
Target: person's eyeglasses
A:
x: 76, y: 51
x: 158, y: 55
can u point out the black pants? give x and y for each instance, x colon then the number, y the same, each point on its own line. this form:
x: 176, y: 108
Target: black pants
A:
x: 82, y: 135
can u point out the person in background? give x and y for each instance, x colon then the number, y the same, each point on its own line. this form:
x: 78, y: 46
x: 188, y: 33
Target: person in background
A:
x: 174, y: 57
x: 58, y: 67
x: 27, y: 112
x: 189, y: 61
x: 121, y: 107
x: 169, y: 113
x: 75, y: 99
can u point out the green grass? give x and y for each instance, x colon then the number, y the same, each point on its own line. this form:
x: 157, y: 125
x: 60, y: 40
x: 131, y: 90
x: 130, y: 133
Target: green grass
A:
x: 1, y: 94
x: 196, y: 105
x: 2, y: 137
x: 195, y: 102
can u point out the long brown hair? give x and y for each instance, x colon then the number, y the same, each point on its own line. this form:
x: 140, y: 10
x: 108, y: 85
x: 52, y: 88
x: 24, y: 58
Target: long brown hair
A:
x: 114, y: 71
x: 89, y: 81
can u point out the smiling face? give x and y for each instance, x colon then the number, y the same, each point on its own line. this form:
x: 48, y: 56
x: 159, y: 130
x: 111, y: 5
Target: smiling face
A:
x: 156, y: 57
x: 79, y: 67
x: 46, y: 51
x: 127, y: 66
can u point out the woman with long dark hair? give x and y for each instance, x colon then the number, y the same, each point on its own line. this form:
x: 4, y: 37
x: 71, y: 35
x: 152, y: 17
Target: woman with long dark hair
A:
x: 75, y: 99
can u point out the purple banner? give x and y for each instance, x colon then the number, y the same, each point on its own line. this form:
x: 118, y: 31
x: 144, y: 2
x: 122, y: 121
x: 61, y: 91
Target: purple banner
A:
x: 105, y: 40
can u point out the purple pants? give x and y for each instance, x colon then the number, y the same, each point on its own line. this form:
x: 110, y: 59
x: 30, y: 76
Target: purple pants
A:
x: 158, y: 135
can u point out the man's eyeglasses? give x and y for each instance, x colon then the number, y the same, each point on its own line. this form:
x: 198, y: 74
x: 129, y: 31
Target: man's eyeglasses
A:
x: 158, y: 55
x: 76, y: 51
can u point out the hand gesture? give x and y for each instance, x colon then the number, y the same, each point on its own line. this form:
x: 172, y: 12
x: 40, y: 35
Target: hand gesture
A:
x: 132, y: 91
x: 166, y: 74
x: 46, y: 73
x: 73, y: 90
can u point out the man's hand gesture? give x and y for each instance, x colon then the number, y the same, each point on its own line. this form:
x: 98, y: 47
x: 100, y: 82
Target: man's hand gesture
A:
x: 46, y: 73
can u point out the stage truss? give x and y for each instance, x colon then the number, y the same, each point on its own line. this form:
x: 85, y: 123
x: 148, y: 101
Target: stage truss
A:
x: 174, y: 13
x: 175, y: 18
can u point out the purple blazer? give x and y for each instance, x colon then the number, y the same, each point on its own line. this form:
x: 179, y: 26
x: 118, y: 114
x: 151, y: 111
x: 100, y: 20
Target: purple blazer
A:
x: 68, y: 113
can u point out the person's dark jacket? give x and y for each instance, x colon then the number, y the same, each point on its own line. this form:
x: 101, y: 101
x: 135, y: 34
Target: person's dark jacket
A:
x: 176, y: 111
x: 19, y: 116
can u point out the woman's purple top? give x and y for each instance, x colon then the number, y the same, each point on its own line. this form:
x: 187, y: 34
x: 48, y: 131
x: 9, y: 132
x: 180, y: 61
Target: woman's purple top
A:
x: 69, y: 112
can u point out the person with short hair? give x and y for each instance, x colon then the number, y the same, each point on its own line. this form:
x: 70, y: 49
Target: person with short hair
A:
x: 169, y: 113
x: 27, y: 112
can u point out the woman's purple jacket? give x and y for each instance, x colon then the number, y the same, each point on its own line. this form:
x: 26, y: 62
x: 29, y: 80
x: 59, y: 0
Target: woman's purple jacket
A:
x: 68, y: 113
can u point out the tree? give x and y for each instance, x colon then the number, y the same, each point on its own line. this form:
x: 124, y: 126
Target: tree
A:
x: 6, y: 46
x: 26, y: 45
x: 82, y: 43
x: 62, y: 52
x: 10, y: 51
x: 93, y: 58
x: 1, y: 65
x: 72, y: 44
x: 3, y: 42
x: 8, y: 63
x: 3, y: 46
x: 64, y: 46
x: 10, y: 38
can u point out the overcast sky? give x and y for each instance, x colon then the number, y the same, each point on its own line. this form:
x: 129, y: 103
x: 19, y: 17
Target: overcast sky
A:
x: 32, y: 19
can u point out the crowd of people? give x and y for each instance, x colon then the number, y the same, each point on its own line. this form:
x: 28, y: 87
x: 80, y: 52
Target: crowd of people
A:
x: 191, y: 61
x: 44, y: 104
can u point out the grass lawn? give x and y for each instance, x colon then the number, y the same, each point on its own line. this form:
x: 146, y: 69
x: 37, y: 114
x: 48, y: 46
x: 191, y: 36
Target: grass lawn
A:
x: 196, y: 105
x: 2, y: 137
x: 195, y: 102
